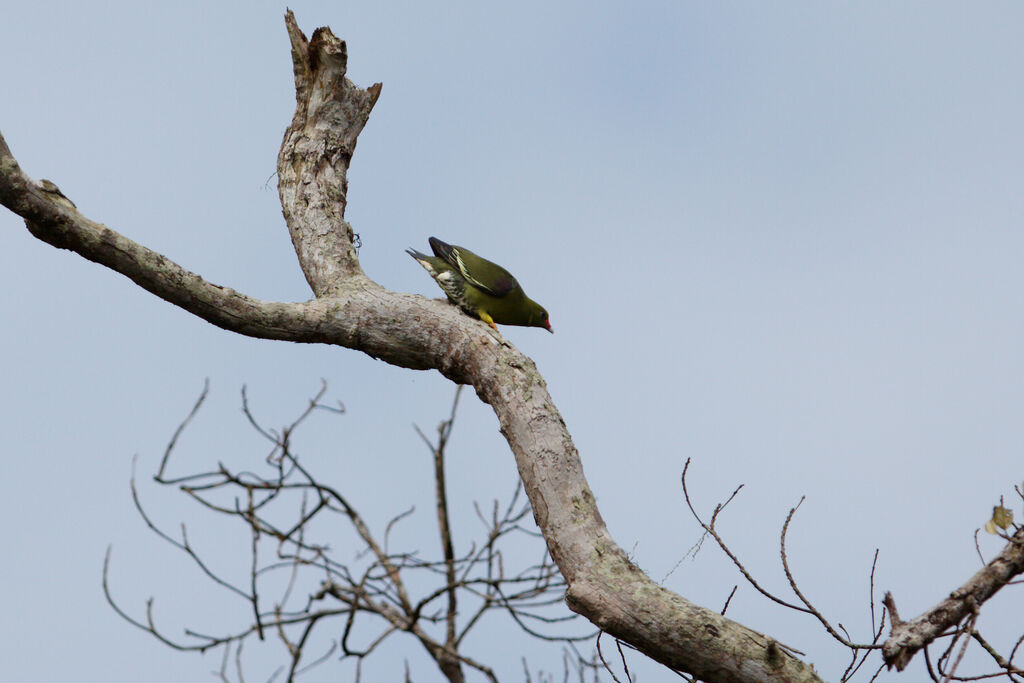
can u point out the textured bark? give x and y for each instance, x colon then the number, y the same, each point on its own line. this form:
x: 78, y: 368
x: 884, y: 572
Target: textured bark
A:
x: 413, y: 332
x: 908, y: 637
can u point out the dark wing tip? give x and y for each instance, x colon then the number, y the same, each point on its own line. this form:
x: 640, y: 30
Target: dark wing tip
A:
x: 443, y: 250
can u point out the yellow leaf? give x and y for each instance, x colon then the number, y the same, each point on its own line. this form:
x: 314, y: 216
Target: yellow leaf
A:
x: 1002, y: 518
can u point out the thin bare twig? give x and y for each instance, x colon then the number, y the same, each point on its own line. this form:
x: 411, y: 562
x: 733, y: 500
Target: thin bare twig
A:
x: 181, y: 427
x: 377, y: 589
x: 710, y: 530
x: 796, y: 589
x: 729, y: 599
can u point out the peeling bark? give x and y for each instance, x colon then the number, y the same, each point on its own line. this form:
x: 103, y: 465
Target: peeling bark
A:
x: 352, y: 311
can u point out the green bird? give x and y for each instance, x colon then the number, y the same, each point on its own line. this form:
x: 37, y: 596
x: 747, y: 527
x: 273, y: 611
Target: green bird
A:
x: 482, y: 289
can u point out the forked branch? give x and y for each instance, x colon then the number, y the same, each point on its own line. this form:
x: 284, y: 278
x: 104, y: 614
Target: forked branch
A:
x: 352, y: 311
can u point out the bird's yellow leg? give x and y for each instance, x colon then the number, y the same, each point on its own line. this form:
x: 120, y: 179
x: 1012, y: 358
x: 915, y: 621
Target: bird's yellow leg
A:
x: 487, y: 319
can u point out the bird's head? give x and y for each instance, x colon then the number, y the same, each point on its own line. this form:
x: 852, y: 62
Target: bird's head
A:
x: 539, y: 318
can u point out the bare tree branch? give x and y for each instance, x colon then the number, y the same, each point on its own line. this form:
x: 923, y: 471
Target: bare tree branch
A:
x: 859, y: 652
x: 377, y: 589
x: 907, y: 637
x: 413, y: 332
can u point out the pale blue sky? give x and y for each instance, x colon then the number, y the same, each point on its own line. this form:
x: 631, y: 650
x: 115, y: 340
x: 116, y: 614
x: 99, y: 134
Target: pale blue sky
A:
x: 783, y: 240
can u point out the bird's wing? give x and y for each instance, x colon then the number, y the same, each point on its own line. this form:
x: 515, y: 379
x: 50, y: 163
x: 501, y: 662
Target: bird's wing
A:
x: 488, y: 277
x: 482, y: 274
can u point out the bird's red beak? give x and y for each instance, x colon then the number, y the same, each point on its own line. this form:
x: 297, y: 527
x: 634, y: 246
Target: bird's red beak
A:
x: 548, y: 326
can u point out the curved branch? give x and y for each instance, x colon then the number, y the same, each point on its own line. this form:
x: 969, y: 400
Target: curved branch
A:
x: 807, y: 603
x: 413, y: 332
x: 402, y: 329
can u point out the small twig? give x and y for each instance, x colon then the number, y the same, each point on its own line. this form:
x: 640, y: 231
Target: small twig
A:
x: 1006, y: 665
x: 966, y: 632
x: 181, y: 427
x: 238, y: 660
x: 222, y: 673
x: 721, y: 544
x: 444, y: 522
x: 928, y: 665
x: 267, y: 434
x: 183, y: 545
x: 378, y: 588
x: 729, y: 599
x: 250, y: 516
x: 977, y: 548
x: 622, y: 657
x: 604, y: 662
x: 871, y: 589
x: 201, y: 647
x: 811, y: 608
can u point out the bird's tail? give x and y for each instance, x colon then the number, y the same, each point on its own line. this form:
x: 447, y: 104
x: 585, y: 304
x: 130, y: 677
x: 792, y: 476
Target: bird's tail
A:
x: 419, y: 256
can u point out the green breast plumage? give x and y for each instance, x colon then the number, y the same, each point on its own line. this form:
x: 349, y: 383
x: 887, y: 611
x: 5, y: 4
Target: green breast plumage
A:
x: 481, y: 288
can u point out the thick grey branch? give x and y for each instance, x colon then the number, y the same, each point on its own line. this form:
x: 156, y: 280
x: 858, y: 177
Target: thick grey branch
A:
x: 367, y: 317
x: 411, y: 331
x: 53, y: 219
x: 908, y: 637
x: 312, y: 166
